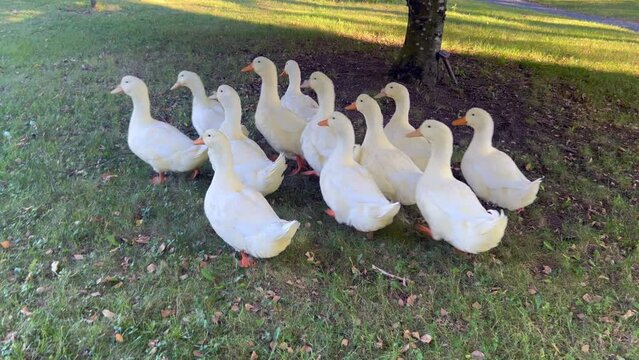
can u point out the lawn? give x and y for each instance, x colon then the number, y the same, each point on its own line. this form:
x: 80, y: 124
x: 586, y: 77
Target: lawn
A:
x: 620, y: 9
x: 101, y: 264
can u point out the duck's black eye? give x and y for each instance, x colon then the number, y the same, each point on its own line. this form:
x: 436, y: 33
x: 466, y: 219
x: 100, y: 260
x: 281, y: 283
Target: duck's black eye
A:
x: 472, y: 114
x: 258, y: 62
x: 429, y: 126
x: 361, y: 101
x: 391, y: 87
x: 126, y: 82
x: 221, y: 91
x: 209, y: 135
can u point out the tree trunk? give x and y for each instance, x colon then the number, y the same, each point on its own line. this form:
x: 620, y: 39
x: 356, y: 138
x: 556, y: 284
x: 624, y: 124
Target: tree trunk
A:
x: 418, y: 57
x: 93, y: 3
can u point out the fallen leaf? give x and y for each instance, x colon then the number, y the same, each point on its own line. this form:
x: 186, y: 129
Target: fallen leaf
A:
x: 10, y: 337
x: 307, y: 348
x: 5, y: 244
x: 344, y: 342
x: 108, y: 314
x: 547, y: 270
x: 142, y: 239
x: 91, y: 318
x: 477, y: 355
x: 54, y: 266
x: 532, y: 290
x: 153, y: 343
x: 426, y: 339
x: 138, y: 222
x: 585, y: 348
x: 407, y: 334
x: 197, y: 353
x: 78, y: 257
x: 254, y: 356
x: 106, y: 177
x: 151, y: 268
x: 161, y: 248
x: 95, y: 294
x: 216, y: 317
x: 476, y: 305
x: 235, y: 308
x: 630, y: 313
x: 410, y: 301
x: 249, y: 307
x: 581, y: 316
x: 119, y: 338
x: 404, y: 348
x: 606, y: 319
x: 167, y: 312
x: 400, y: 302
x: 379, y: 343
x: 443, y: 312
x: 25, y: 311
x: 41, y: 290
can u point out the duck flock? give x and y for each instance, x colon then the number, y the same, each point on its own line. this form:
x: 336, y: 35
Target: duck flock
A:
x: 363, y: 185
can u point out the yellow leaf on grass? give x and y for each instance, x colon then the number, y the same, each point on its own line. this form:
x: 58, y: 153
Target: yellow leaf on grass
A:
x: 119, y: 338
x: 5, y: 244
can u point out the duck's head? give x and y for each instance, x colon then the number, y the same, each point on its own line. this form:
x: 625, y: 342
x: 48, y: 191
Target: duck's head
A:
x: 392, y: 90
x: 260, y: 65
x: 476, y: 118
x: 130, y: 85
x: 433, y: 131
x: 225, y: 95
x: 317, y: 81
x: 185, y: 78
x: 338, y: 122
x: 214, y: 139
x: 291, y: 67
x: 362, y: 103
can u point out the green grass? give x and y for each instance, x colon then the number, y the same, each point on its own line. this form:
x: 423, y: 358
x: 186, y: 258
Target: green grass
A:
x: 579, y: 128
x: 620, y: 9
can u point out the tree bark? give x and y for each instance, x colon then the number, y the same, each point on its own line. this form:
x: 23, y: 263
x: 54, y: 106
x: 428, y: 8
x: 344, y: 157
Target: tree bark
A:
x: 418, y: 57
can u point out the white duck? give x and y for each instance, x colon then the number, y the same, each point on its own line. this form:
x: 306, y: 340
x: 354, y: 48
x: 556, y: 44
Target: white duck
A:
x: 240, y: 215
x: 293, y: 99
x: 205, y: 113
x: 393, y: 171
x: 250, y: 163
x: 280, y: 127
x: 492, y: 174
x: 450, y: 207
x: 398, y: 126
x: 318, y: 142
x: 159, y: 144
x: 348, y: 188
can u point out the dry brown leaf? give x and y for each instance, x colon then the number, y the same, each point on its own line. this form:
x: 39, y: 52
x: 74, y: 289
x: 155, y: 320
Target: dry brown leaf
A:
x: 344, y: 342
x: 95, y: 294
x: 10, y: 337
x: 91, y: 318
x: 167, y: 312
x: 585, y: 348
x: 547, y: 270
x: 142, y: 239
x: 404, y: 348
x: 415, y: 334
x: 581, y: 316
x: 254, y: 356
x: 477, y: 355
x: 410, y: 301
x: 249, y: 307
x: 119, y: 338
x: 41, y: 290
x: 426, y: 339
x: 307, y: 348
x: 197, y: 353
x: 5, y: 244
x: 630, y: 313
x: 235, y: 308
x: 400, y: 302
x: 216, y: 317
x: 162, y: 248
x: 25, y: 311
x: 476, y: 305
x: 378, y: 344
x: 532, y: 290
x: 443, y: 312
x: 151, y: 268
x: 407, y: 334
x: 108, y: 314
x: 78, y: 257
x: 153, y: 343
x: 106, y: 177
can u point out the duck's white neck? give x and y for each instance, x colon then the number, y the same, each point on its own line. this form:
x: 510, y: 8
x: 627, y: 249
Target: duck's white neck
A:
x: 268, y: 93
x: 482, y: 137
x: 224, y: 176
x: 232, y: 125
x: 375, y: 135
x: 439, y: 163
x: 197, y: 89
x: 344, y: 148
x: 402, y: 106
x: 326, y: 99
x: 294, y: 82
x: 141, y: 106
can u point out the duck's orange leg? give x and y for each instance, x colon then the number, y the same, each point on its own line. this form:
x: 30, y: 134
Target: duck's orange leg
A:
x: 159, y: 179
x: 424, y: 229
x: 246, y: 260
x: 310, y: 173
x: 195, y: 174
x: 301, y: 165
x: 330, y: 212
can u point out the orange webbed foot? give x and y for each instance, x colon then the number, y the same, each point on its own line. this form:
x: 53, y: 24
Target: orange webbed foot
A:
x: 195, y: 174
x: 424, y: 229
x: 246, y: 261
x: 330, y: 212
x: 158, y: 179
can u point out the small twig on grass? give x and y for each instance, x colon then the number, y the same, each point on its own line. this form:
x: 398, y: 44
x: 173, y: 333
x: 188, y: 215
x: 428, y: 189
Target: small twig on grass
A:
x: 404, y: 280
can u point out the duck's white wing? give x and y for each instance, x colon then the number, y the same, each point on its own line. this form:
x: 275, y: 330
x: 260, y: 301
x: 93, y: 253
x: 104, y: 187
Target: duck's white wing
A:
x: 242, y: 214
x: 162, y: 140
x: 355, y: 184
x: 497, y: 170
x: 301, y: 104
x: 454, y: 199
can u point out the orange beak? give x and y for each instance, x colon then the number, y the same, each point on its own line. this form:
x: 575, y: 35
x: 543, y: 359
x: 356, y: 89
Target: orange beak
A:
x: 117, y: 90
x: 284, y: 73
x: 323, y: 122
x: 461, y: 121
x: 175, y: 86
x: 248, y: 68
x: 305, y: 84
x: 382, y: 93
x: 413, y: 134
x: 198, y: 141
x: 352, y: 106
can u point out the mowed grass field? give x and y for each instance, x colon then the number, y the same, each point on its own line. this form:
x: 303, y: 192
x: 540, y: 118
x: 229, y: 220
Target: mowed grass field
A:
x: 101, y: 264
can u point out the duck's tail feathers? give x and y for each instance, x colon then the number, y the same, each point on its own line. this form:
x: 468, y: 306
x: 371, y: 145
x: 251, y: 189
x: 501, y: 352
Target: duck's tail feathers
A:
x: 484, y: 233
x: 275, y: 170
x: 273, y: 239
x: 389, y: 210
